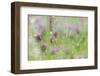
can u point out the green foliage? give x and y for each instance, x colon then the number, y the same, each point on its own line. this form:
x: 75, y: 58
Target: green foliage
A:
x: 68, y: 47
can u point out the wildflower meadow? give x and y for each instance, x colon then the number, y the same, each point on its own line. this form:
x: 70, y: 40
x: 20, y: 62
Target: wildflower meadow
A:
x: 57, y: 37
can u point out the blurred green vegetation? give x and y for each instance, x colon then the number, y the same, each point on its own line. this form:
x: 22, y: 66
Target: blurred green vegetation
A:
x: 69, y: 47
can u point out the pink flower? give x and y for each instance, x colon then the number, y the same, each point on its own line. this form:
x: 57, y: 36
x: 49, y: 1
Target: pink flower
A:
x: 38, y: 36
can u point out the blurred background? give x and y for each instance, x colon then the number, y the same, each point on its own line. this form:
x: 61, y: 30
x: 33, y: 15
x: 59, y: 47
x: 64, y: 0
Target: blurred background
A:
x: 57, y: 37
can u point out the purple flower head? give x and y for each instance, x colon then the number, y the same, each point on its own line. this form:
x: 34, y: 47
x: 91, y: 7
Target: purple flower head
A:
x: 74, y: 28
x: 38, y: 36
x: 40, y: 23
x: 43, y: 45
x: 54, y: 50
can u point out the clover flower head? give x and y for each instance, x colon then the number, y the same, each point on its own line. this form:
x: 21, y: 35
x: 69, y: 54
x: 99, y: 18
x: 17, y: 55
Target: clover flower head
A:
x: 38, y: 36
x: 43, y: 45
x: 74, y: 28
x: 54, y: 50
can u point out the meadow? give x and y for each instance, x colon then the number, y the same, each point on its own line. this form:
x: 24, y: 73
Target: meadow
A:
x: 57, y: 37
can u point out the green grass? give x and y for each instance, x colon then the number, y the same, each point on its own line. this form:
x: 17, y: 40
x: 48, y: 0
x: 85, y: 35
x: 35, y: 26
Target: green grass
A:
x: 71, y: 47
